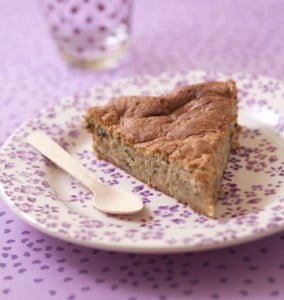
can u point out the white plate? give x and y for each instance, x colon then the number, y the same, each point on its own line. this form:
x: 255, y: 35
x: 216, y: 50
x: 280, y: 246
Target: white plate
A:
x: 51, y: 201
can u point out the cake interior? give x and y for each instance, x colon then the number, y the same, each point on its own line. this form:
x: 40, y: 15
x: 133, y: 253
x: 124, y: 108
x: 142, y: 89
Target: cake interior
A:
x: 168, y: 176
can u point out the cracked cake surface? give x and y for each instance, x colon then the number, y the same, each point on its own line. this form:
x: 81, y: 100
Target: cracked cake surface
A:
x: 189, y: 127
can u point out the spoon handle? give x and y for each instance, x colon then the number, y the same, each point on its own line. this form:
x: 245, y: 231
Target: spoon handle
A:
x: 49, y: 148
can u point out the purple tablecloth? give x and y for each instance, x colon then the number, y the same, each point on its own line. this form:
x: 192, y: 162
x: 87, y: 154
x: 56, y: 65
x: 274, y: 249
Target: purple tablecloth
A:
x: 223, y: 35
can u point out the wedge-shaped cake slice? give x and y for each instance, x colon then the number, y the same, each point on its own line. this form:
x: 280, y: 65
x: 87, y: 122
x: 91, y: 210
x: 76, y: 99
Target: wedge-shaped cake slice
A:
x: 178, y: 143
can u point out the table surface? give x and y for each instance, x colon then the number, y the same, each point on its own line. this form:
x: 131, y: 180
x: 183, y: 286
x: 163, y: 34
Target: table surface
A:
x: 223, y: 35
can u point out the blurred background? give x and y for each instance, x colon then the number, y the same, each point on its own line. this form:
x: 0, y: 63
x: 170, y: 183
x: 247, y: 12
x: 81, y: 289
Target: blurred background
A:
x: 166, y: 35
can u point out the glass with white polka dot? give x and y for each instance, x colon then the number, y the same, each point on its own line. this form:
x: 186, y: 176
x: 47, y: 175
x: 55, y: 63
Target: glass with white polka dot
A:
x: 90, y: 33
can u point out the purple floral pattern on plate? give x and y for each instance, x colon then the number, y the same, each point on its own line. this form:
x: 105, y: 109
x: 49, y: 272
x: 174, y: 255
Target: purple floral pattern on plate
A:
x: 252, y: 205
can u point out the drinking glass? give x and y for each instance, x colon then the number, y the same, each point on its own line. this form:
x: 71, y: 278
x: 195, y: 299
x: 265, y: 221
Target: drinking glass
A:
x: 90, y: 33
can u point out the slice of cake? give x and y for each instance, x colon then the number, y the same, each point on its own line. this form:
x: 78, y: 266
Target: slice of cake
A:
x: 178, y: 143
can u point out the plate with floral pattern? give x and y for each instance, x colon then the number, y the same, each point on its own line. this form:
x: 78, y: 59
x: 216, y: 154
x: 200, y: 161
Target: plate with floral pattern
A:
x: 53, y: 202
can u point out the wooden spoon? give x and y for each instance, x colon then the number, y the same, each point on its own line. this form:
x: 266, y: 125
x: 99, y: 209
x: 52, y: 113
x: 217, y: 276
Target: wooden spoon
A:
x: 107, y: 199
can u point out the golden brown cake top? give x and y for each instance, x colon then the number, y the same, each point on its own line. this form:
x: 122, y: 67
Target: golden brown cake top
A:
x: 185, y: 124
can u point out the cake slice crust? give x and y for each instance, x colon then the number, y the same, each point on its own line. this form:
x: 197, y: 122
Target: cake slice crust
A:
x: 178, y: 143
